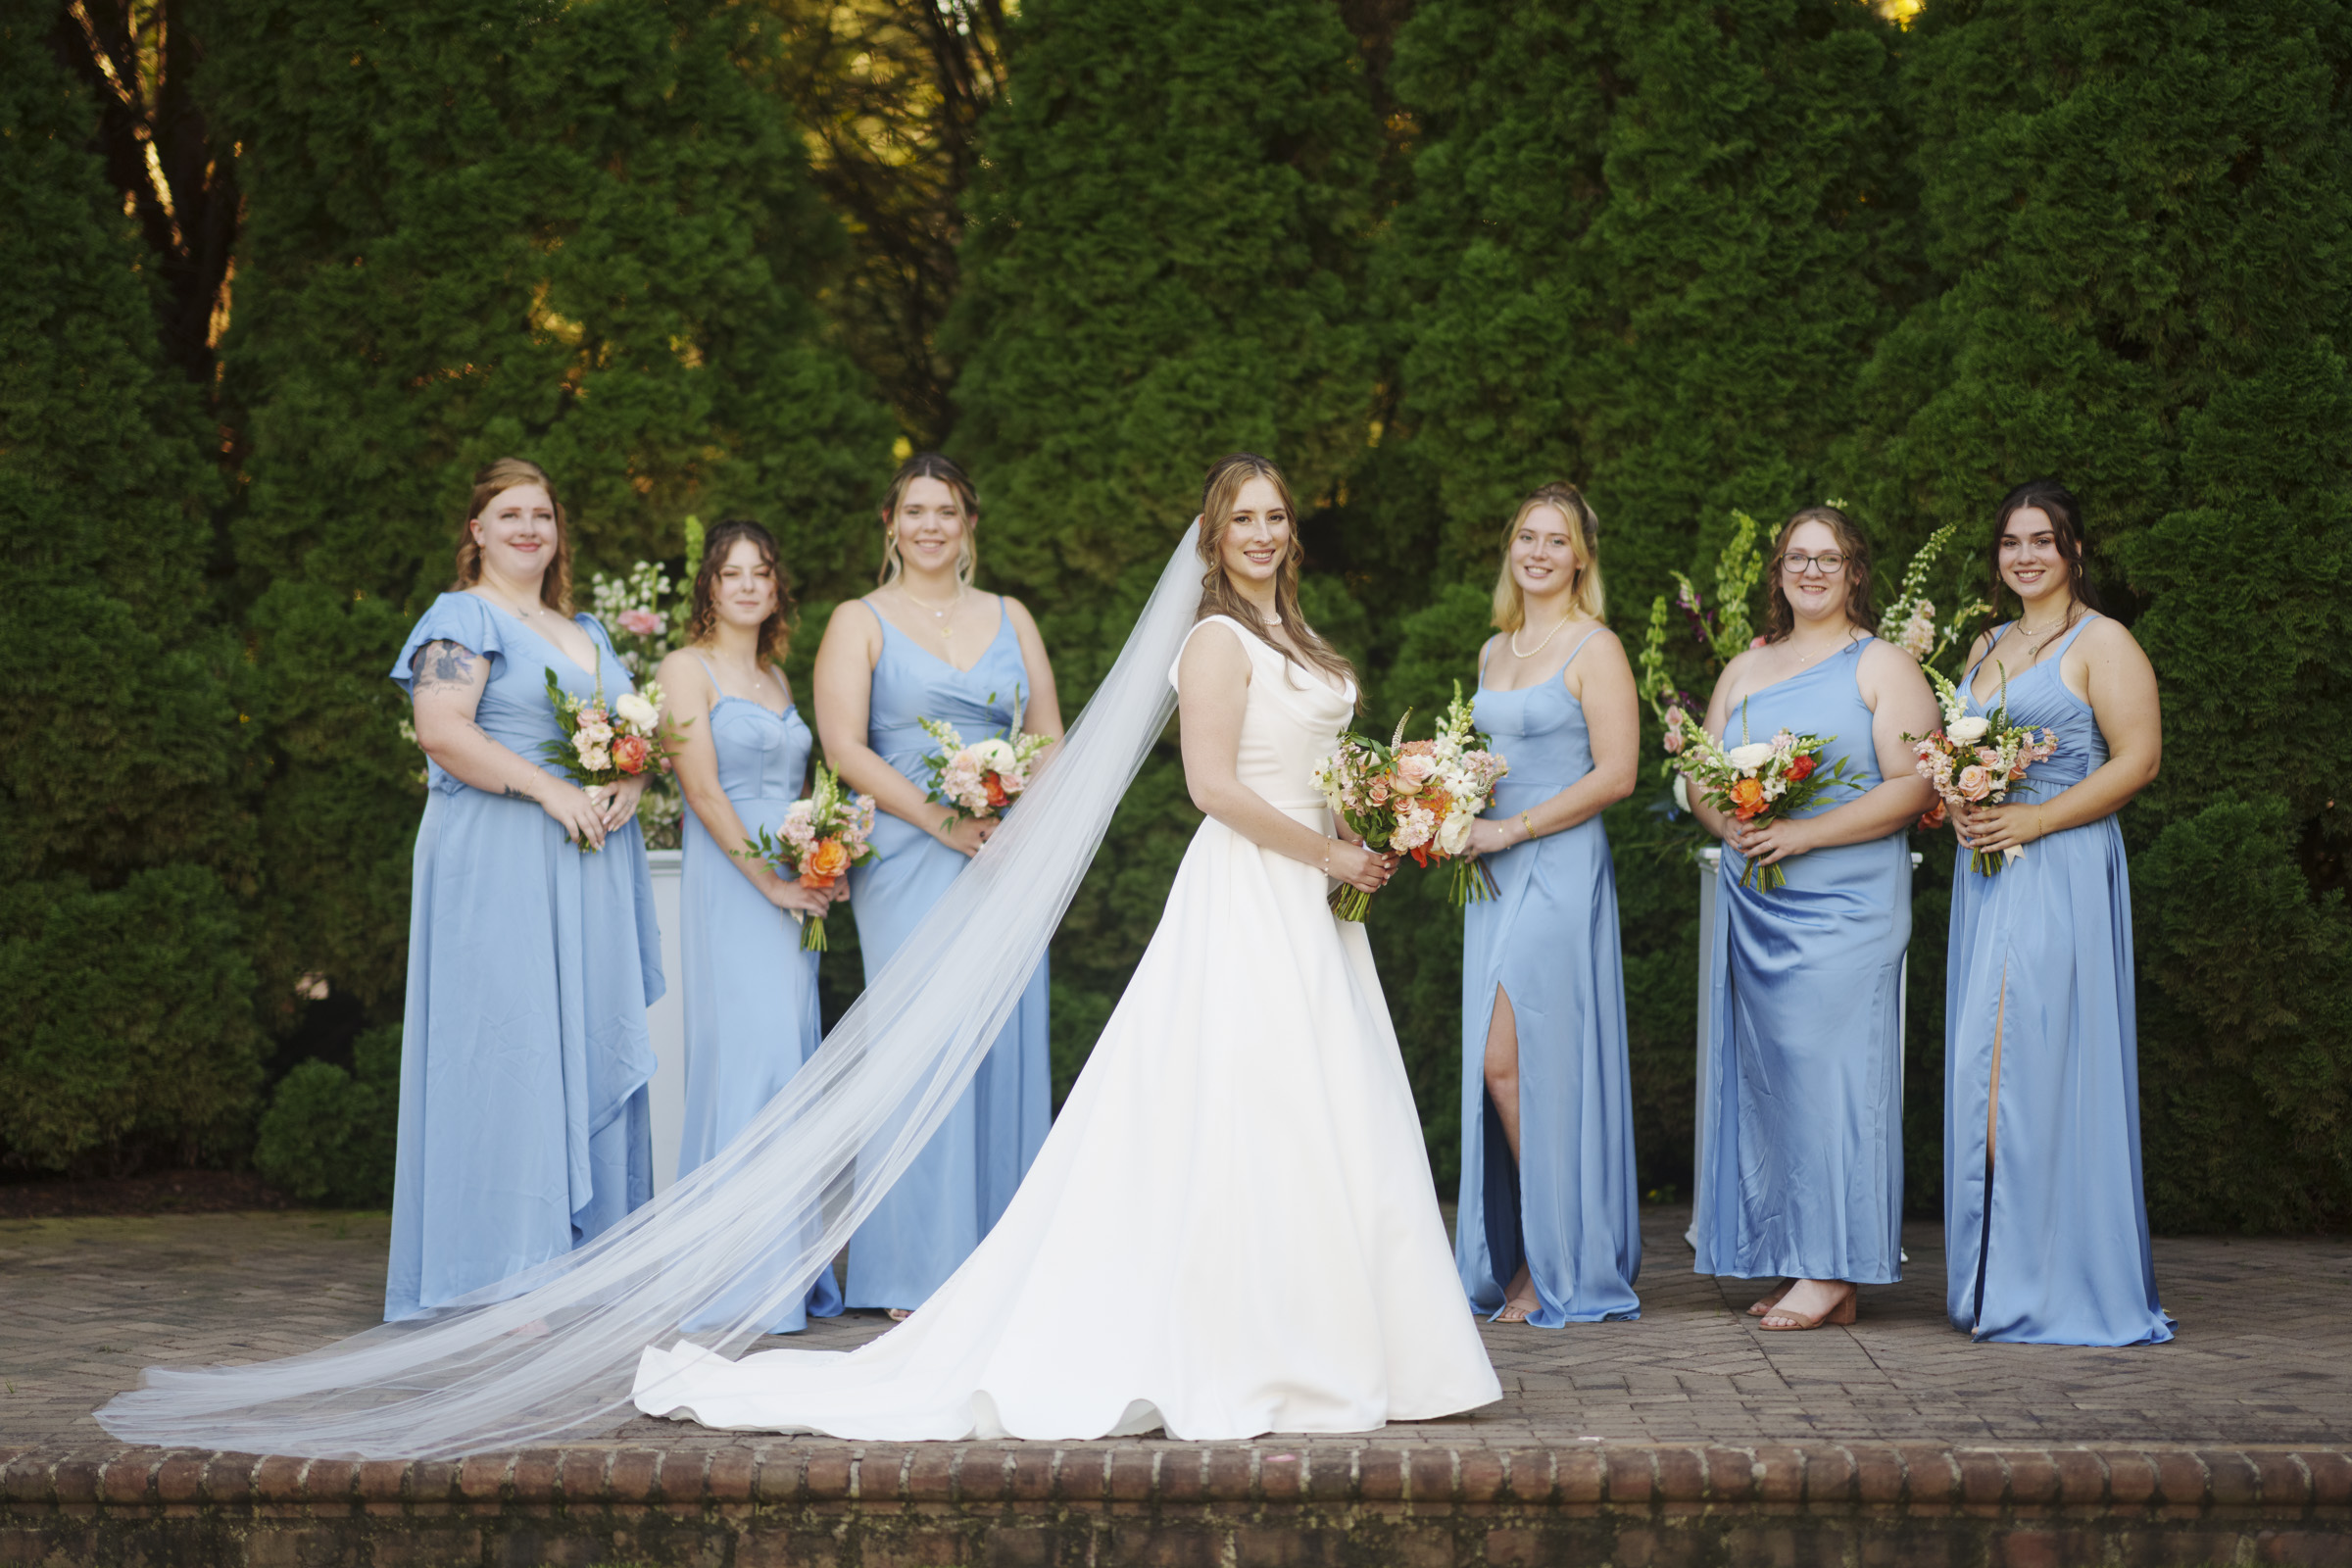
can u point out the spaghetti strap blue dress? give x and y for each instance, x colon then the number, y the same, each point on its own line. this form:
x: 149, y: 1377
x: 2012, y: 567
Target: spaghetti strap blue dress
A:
x: 2045, y: 1224
x: 1570, y: 1205
x: 525, y: 1053
x: 1804, y: 1154
x: 952, y: 1194
x: 749, y: 990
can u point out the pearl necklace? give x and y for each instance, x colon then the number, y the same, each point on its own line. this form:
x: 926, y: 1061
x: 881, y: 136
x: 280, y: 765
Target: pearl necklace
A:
x: 1514, y: 639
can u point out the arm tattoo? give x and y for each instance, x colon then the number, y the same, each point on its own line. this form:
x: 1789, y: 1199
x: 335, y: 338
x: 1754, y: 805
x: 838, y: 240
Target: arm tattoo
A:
x: 513, y: 794
x: 442, y: 663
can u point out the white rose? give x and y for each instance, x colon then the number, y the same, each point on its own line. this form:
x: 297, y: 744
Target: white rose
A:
x: 1747, y: 758
x: 1454, y: 834
x: 635, y: 710
x: 1968, y: 731
x: 1681, y: 793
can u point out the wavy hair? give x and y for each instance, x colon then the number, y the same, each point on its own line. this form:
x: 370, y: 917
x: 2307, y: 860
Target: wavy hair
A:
x: 1584, y: 589
x: 1779, y: 617
x: 930, y: 465
x: 509, y: 473
x: 775, y: 632
x: 1220, y: 597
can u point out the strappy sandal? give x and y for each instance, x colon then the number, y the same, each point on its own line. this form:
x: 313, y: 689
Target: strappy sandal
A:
x: 1772, y: 1299
x: 1503, y: 1314
x: 1839, y: 1315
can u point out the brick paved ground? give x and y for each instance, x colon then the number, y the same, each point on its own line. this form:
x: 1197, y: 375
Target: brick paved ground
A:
x: 2264, y: 1357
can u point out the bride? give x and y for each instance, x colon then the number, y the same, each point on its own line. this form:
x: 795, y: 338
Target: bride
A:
x: 1231, y: 1228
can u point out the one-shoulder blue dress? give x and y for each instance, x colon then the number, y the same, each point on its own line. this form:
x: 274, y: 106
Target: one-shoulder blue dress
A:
x: 950, y: 1196
x: 1804, y: 1154
x: 749, y: 990
x: 525, y: 1055
x: 2037, y: 996
x: 1570, y: 1206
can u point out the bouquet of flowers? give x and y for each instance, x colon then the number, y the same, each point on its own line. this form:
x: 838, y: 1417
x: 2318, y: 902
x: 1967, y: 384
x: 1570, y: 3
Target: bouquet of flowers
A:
x: 1760, y: 780
x: 1417, y: 797
x: 1977, y: 757
x: 986, y: 776
x: 824, y: 833
x: 603, y: 743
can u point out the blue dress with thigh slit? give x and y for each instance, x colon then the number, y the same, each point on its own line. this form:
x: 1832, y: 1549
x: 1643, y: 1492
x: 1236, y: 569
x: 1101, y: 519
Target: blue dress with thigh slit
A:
x: 1570, y: 1205
x: 525, y: 1053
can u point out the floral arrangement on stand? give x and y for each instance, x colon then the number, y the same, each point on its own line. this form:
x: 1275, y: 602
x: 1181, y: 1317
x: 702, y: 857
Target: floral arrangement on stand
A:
x: 1416, y: 798
x: 603, y: 744
x: 645, y: 613
x: 1973, y: 758
x: 982, y: 777
x: 824, y: 834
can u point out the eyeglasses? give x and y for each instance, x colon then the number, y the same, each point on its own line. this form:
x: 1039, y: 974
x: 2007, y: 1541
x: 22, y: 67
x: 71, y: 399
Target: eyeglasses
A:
x: 1796, y: 563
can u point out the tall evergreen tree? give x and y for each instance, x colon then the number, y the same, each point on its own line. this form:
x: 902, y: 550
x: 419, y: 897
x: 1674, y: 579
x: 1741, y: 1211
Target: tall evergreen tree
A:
x: 129, y: 1024
x: 581, y: 235
x: 1166, y: 242
x: 2141, y: 210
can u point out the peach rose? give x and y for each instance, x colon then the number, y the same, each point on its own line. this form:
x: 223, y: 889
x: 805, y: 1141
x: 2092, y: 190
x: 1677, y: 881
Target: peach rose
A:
x: 823, y: 866
x: 631, y: 753
x: 1974, y: 783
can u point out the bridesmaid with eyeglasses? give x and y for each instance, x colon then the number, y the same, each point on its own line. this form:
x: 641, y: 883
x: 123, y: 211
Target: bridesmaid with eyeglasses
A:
x: 2045, y: 1224
x: 1804, y: 1153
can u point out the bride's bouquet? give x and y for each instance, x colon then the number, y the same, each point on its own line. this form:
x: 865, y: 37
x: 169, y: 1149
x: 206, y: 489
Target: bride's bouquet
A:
x: 1761, y: 781
x: 824, y: 834
x: 1417, y: 797
x: 603, y: 743
x: 1977, y: 758
x: 984, y: 777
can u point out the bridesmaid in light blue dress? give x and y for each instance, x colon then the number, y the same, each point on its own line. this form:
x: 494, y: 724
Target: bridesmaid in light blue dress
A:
x: 525, y: 1055
x: 742, y: 759
x: 1804, y: 1154
x: 2045, y: 1225
x: 924, y: 645
x: 1550, y: 1219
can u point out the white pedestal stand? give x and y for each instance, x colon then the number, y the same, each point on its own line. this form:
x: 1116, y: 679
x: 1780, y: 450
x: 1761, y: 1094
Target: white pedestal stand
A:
x: 666, y: 1019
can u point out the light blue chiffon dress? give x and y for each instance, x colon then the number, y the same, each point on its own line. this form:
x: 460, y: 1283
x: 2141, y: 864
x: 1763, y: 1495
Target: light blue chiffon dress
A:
x: 525, y: 1055
x: 749, y: 990
x: 1570, y: 1205
x: 1804, y: 1157
x: 959, y: 1184
x: 2038, y: 988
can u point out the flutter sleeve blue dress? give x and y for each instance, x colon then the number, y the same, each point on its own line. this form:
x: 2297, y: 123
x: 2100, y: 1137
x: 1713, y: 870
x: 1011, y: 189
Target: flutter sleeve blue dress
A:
x: 1804, y: 1157
x: 525, y: 1055
x: 959, y: 1184
x: 2045, y: 1224
x: 749, y: 990
x: 1570, y: 1206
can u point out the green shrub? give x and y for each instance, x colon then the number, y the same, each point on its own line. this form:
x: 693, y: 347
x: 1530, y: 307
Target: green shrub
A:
x: 329, y: 1136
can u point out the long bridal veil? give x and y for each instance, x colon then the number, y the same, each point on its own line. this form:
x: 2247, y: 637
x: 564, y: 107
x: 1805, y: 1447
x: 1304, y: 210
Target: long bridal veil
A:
x: 550, y: 1354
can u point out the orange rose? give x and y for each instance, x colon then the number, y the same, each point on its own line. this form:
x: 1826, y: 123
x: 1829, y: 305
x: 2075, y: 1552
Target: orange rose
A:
x: 996, y: 791
x: 823, y: 866
x: 1748, y: 798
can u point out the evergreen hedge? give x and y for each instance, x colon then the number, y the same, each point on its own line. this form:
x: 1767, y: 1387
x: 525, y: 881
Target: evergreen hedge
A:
x: 1748, y: 255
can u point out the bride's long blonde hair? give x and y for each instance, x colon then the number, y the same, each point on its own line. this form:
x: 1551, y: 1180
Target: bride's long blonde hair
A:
x: 1220, y: 597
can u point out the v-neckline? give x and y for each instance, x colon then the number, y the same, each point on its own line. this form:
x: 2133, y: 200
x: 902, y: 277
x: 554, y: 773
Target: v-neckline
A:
x: 2039, y: 662
x: 597, y: 674
x: 1003, y: 620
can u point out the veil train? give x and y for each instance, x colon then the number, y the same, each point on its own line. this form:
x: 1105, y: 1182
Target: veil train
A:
x: 550, y: 1354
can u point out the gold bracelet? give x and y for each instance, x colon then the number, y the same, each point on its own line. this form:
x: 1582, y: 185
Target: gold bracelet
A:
x: 1528, y: 824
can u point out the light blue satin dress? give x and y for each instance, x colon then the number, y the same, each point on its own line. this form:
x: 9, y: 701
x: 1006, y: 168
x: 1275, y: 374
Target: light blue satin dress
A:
x: 749, y: 990
x: 525, y: 1055
x: 1570, y: 1205
x: 2039, y: 980
x: 1804, y: 1154
x: 959, y: 1184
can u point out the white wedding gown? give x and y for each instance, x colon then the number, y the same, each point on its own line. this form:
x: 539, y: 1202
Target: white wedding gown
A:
x: 1231, y: 1228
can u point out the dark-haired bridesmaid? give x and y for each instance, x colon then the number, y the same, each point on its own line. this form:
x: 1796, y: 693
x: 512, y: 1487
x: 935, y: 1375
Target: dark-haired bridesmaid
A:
x: 524, y: 1052
x: 742, y: 758
x: 1804, y: 1146
x: 2045, y: 1225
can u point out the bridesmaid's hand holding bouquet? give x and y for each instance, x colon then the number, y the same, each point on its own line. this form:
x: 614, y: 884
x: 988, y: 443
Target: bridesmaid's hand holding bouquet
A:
x: 824, y: 834
x: 604, y: 746
x: 1974, y: 760
x: 1758, y: 782
x: 984, y: 777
